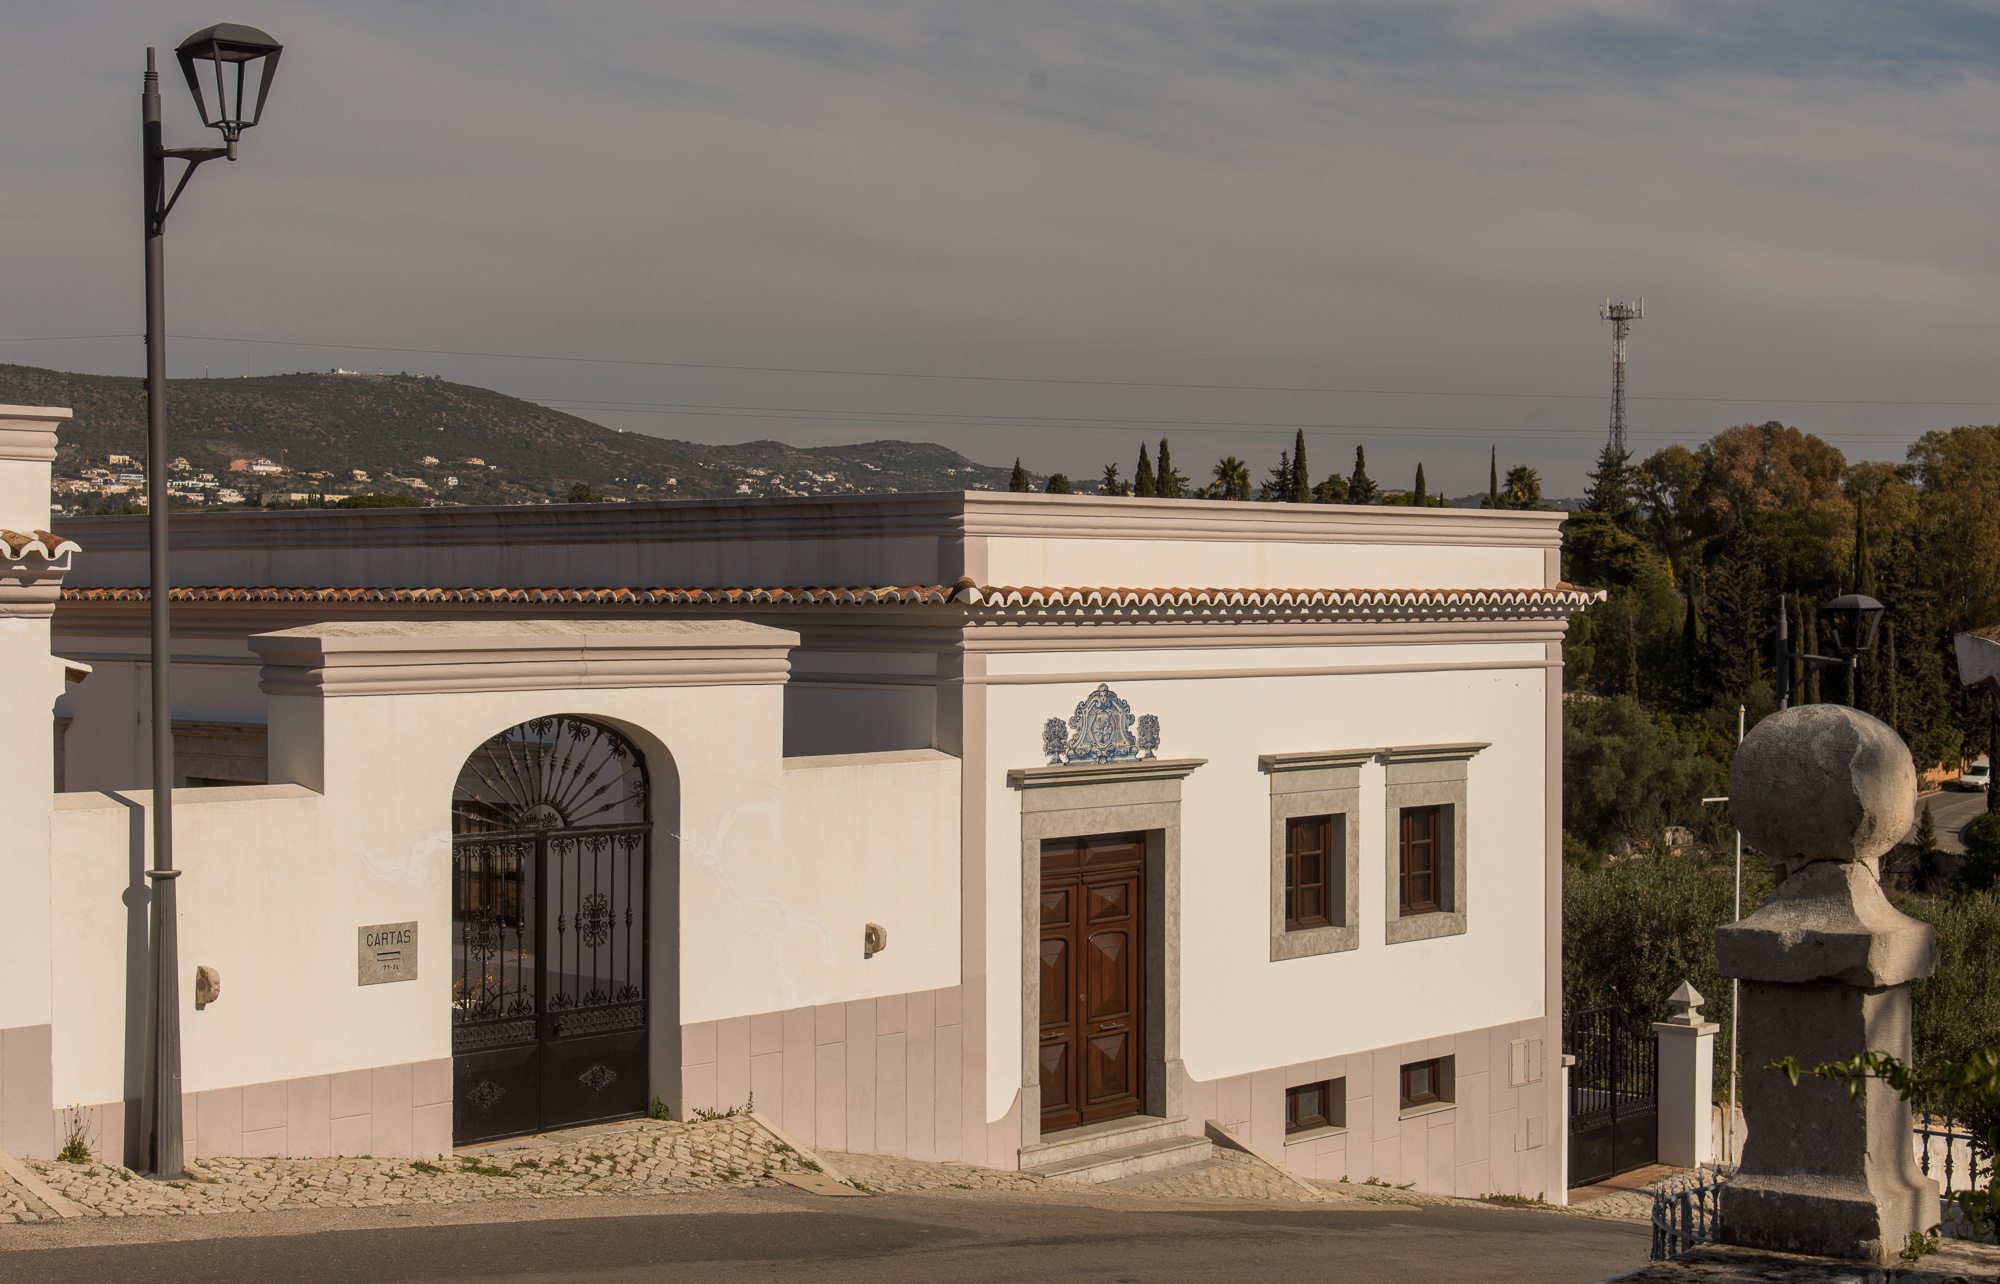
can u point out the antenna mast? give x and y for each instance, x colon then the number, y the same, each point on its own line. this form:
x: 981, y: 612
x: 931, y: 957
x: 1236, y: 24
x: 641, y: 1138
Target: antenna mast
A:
x: 1621, y: 316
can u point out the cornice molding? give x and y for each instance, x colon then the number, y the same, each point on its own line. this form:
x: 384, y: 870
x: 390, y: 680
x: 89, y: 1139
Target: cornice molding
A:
x: 1315, y: 760
x: 1434, y: 753
x: 28, y: 433
x: 439, y: 657
x: 1103, y: 773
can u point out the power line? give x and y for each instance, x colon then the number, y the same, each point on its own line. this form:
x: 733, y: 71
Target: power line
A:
x: 1022, y: 379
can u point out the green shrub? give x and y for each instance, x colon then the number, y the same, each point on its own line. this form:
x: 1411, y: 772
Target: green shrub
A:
x: 379, y: 501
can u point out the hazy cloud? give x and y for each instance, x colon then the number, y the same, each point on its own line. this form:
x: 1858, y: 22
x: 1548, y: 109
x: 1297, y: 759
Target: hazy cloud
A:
x: 1360, y: 196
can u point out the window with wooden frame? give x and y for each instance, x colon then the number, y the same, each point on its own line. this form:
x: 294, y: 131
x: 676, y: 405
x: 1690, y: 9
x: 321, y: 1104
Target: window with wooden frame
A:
x: 1423, y: 860
x: 1312, y: 1106
x: 1315, y: 844
x: 1426, y: 1083
x: 1309, y: 856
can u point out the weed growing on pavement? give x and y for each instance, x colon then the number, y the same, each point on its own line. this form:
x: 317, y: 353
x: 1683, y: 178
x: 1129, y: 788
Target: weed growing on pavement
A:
x: 1520, y: 1201
x: 710, y: 1116
x: 76, y: 1135
x: 423, y: 1166
x: 659, y: 1111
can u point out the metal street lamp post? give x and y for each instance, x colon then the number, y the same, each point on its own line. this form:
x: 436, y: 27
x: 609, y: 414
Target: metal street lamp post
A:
x: 1854, y: 617
x: 228, y: 50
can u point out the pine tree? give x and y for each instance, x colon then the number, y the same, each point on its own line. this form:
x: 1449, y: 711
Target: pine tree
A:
x: 1171, y: 484
x: 1019, y: 481
x: 1331, y: 491
x: 1058, y: 485
x: 1423, y: 495
x: 1278, y: 488
x: 1143, y: 484
x: 1301, y: 472
x: 1611, y: 487
x: 1361, y: 488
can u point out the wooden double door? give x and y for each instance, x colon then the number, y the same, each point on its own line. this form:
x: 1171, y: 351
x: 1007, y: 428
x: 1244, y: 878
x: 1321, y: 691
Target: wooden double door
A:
x: 1093, y: 979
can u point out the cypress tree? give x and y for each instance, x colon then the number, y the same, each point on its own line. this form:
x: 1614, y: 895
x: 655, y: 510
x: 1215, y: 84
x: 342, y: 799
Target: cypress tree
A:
x: 1170, y: 484
x: 1423, y: 496
x: 1301, y: 472
x: 1143, y: 485
x: 1493, y: 479
x: 1811, y: 622
x: 1019, y: 481
x: 1361, y: 488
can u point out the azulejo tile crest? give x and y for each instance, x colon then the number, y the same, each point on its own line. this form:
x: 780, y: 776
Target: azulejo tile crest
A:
x: 1101, y: 730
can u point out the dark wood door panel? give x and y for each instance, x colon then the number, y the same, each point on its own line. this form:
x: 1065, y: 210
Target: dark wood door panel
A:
x: 1091, y: 977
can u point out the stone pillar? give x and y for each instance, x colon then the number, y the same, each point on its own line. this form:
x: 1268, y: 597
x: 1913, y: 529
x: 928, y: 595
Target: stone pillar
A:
x: 1687, y: 1080
x: 1824, y: 791
x: 32, y: 564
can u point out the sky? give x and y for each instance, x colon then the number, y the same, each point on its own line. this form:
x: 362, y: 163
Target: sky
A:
x: 1053, y: 230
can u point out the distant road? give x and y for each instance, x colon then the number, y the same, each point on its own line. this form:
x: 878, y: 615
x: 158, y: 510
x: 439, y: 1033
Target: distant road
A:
x: 1952, y: 810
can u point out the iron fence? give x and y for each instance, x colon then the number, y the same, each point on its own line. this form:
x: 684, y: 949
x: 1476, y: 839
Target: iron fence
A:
x: 1946, y: 1154
x: 1687, y: 1213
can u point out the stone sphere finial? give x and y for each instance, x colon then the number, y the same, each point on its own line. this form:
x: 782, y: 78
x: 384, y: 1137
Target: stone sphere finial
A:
x: 1822, y: 782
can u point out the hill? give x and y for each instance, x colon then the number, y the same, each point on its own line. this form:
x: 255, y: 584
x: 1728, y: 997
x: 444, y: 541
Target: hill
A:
x: 431, y: 439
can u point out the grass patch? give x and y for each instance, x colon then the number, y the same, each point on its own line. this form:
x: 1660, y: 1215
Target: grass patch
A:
x: 468, y: 1164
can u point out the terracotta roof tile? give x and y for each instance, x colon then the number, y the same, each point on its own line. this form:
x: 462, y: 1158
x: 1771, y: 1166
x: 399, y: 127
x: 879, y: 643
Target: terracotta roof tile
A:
x: 46, y: 545
x: 1563, y: 599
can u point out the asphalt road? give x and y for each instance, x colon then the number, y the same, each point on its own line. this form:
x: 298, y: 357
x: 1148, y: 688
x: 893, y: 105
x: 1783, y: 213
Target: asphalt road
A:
x: 1951, y: 810
x: 790, y: 1236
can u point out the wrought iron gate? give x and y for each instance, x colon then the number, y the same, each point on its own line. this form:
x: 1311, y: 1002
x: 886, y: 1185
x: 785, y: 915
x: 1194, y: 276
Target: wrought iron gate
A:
x: 550, y: 883
x: 1614, y: 1095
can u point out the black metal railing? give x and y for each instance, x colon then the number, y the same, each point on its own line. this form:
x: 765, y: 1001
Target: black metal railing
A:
x: 1687, y: 1213
x: 1946, y: 1154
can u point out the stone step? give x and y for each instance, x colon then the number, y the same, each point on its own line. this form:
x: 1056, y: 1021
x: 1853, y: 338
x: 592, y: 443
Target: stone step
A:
x: 1129, y: 1161
x: 1091, y: 1139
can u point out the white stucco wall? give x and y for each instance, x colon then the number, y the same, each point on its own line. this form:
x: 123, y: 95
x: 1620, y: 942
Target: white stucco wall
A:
x: 780, y: 866
x: 1240, y: 1012
x: 1196, y: 563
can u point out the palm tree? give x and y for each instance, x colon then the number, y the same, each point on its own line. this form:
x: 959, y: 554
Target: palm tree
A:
x: 1524, y: 487
x: 1232, y: 478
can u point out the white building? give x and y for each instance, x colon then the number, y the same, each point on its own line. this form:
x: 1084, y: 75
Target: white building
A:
x: 1009, y: 828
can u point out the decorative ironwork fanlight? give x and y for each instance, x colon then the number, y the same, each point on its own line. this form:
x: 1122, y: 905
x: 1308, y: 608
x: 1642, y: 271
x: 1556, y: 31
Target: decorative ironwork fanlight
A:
x: 550, y: 773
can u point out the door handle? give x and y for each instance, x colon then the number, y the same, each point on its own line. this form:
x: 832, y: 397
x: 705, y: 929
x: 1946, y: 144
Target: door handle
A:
x: 1107, y: 1028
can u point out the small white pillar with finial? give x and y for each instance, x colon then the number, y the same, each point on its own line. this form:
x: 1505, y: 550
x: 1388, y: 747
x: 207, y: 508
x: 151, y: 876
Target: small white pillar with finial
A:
x: 1687, y: 1080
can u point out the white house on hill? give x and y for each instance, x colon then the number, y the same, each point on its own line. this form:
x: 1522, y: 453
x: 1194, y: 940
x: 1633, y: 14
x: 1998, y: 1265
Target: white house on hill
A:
x: 1027, y: 830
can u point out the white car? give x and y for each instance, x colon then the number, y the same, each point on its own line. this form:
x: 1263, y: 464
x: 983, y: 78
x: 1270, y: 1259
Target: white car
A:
x: 1978, y: 775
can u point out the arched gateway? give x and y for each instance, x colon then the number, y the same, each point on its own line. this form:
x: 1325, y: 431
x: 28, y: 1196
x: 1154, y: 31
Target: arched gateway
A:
x: 551, y: 839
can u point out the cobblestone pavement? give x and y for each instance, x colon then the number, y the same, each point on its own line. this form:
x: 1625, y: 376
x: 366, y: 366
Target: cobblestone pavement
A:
x: 637, y: 1158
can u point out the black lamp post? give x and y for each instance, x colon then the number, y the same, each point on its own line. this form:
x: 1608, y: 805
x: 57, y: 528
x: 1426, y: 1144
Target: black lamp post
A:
x: 1854, y: 619
x: 227, y: 50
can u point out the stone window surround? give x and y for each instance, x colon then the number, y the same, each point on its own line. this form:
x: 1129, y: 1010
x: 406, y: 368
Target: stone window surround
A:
x: 1317, y: 784
x: 1108, y: 798
x: 1424, y: 776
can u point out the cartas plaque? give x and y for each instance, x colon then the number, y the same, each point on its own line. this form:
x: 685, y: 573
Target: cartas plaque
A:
x: 388, y: 952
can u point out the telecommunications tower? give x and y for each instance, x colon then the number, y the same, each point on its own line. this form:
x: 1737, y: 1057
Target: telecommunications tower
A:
x: 1621, y: 316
